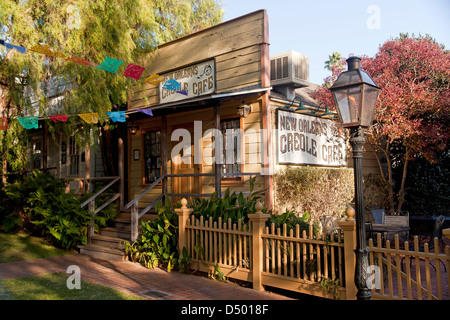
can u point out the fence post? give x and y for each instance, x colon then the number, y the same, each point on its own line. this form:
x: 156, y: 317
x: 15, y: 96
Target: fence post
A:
x: 446, y: 233
x: 258, y: 220
x: 349, y: 228
x: 183, y: 215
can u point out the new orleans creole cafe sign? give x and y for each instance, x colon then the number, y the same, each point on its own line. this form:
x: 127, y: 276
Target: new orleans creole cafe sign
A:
x: 195, y: 80
x: 309, y: 140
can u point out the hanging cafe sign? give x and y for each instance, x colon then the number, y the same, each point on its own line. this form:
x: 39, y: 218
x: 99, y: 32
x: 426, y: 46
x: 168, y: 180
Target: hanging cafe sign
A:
x: 192, y: 81
x: 308, y: 140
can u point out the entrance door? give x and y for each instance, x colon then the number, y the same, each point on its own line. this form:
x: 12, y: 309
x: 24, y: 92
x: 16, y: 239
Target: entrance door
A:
x: 191, y: 183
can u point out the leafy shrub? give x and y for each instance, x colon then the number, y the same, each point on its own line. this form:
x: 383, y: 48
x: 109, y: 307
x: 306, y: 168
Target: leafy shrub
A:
x: 319, y: 191
x: 39, y: 205
x: 157, y: 246
x: 291, y: 220
x: 232, y: 206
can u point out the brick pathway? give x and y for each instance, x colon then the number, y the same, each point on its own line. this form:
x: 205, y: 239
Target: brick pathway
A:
x: 132, y: 278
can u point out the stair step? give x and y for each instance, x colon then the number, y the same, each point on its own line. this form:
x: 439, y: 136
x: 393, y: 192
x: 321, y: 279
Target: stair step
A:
x: 103, y: 252
x: 116, y: 233
x: 122, y: 223
x: 109, y: 242
x: 127, y: 215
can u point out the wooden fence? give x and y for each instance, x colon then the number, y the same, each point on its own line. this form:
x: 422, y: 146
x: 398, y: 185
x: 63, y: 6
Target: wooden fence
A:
x: 410, y: 272
x: 302, y: 261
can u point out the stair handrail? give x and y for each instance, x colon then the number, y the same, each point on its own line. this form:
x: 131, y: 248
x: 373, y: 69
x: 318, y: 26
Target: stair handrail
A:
x: 140, y: 195
x: 134, y: 205
x: 91, y: 202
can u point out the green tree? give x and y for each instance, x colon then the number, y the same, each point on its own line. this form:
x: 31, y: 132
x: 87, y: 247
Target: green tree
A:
x: 411, y: 119
x: 127, y: 30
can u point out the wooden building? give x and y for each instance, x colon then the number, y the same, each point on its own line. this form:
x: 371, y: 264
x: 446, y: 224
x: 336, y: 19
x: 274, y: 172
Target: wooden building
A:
x: 221, y: 68
x: 221, y: 71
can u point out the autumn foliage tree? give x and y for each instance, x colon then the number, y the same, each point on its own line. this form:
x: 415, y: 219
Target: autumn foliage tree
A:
x: 412, y: 116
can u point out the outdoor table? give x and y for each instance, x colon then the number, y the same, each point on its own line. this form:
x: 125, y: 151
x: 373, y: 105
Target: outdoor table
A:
x: 381, y: 228
x: 385, y: 229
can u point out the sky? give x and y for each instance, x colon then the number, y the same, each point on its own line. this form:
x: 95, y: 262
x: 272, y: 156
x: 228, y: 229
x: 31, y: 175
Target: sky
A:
x: 319, y: 28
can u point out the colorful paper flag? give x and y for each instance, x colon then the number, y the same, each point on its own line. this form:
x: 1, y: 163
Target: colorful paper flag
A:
x: 29, y: 122
x: 90, y: 118
x: 154, y: 79
x: 10, y: 46
x: 148, y: 112
x: 44, y: 49
x: 133, y: 71
x: 117, y: 116
x: 172, y: 85
x: 3, y: 123
x: 81, y: 61
x: 62, y: 118
x: 109, y: 64
x: 183, y: 92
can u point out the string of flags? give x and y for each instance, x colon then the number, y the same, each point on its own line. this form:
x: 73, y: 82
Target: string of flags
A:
x: 110, y: 65
x: 31, y: 122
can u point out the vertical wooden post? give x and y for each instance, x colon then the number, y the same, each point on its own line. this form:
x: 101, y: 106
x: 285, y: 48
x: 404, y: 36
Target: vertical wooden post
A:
x: 87, y: 167
x: 217, y: 166
x: 266, y: 115
x: 183, y: 215
x: 5, y: 169
x: 164, y: 153
x: 44, y: 147
x: 121, y: 172
x: 446, y: 233
x: 349, y: 228
x: 258, y: 220
x: 90, y: 233
x: 134, y: 222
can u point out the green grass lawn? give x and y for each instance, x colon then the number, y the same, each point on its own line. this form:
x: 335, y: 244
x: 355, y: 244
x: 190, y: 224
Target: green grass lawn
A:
x: 53, y: 287
x: 21, y: 246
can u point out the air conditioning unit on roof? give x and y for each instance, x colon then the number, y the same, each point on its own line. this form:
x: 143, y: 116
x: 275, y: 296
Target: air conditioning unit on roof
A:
x: 289, y: 68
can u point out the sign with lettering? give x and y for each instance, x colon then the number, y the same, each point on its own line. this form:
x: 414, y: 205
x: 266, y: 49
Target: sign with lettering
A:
x: 309, y: 140
x: 195, y: 80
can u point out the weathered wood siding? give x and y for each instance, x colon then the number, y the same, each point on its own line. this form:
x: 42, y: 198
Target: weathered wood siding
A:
x: 234, y: 45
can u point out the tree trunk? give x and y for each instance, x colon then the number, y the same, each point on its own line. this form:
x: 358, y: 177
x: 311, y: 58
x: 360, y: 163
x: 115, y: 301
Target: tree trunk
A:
x: 401, y: 192
x: 390, y: 181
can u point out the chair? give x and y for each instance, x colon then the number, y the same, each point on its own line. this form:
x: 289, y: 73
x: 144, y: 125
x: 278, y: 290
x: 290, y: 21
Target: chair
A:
x: 436, y: 233
x: 378, y: 215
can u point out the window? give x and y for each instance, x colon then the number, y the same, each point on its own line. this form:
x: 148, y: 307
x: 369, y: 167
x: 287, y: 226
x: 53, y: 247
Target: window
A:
x: 231, y: 155
x: 152, y: 155
x: 74, y: 156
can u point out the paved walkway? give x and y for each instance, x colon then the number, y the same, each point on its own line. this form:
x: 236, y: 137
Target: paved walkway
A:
x: 132, y: 278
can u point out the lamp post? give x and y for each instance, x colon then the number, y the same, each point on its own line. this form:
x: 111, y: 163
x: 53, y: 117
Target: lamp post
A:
x: 355, y: 95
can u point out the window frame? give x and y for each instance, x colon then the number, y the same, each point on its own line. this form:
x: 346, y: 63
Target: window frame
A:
x: 144, y: 157
x: 233, y: 181
x: 73, y: 154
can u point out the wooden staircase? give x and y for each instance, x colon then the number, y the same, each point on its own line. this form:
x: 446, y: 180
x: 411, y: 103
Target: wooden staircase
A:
x: 109, y: 243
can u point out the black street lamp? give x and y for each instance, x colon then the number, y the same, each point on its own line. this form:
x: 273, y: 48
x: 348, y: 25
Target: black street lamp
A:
x: 355, y: 95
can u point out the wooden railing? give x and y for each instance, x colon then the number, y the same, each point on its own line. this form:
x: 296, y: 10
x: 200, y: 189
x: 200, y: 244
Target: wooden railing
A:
x: 134, y: 204
x: 91, y: 202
